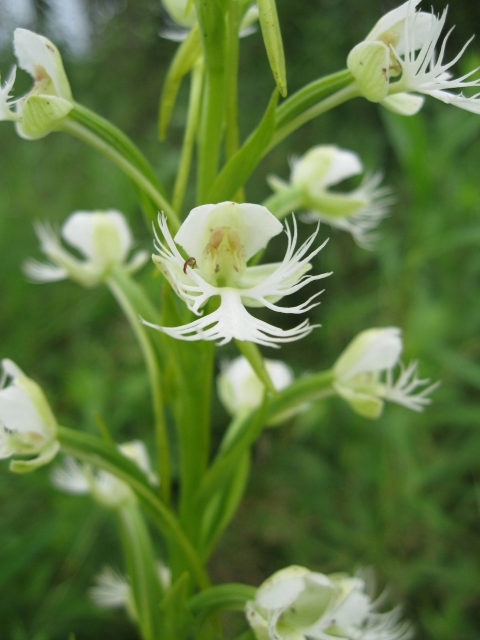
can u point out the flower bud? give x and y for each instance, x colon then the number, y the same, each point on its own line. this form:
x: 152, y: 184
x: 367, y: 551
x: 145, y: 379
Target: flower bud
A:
x: 239, y: 389
x: 27, y: 424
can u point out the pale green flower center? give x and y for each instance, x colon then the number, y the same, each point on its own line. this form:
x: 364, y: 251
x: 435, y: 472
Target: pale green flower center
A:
x: 224, y: 257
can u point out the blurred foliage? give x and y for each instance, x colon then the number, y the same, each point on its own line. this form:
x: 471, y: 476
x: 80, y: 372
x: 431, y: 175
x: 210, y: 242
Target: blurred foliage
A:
x: 331, y: 490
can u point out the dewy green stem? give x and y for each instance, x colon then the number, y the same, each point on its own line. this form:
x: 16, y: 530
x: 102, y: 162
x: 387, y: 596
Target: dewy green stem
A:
x: 83, y: 133
x: 94, y: 451
x: 154, y: 377
x: 347, y: 93
x: 190, y: 135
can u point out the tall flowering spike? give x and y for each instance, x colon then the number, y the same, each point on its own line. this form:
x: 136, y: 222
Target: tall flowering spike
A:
x: 184, y: 17
x: 27, y: 424
x: 358, y: 211
x: 105, y: 488
x: 218, y: 241
x: 412, y: 46
x: 239, y: 388
x: 102, y: 237
x: 296, y: 604
x: 364, y: 374
x: 50, y: 100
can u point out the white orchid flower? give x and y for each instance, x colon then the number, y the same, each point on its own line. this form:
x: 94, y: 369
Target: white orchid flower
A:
x: 239, y: 388
x: 218, y: 240
x: 50, y: 100
x: 364, y: 374
x: 184, y: 17
x: 105, y: 488
x: 27, y: 424
x: 407, y: 42
x: 358, y: 211
x: 296, y: 604
x: 103, y: 237
x: 113, y: 590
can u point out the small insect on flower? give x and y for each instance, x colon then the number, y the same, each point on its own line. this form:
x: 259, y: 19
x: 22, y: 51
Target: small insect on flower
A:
x: 191, y: 262
x: 222, y: 238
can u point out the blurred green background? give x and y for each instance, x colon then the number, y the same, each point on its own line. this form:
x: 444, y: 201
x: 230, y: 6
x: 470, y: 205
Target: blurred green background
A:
x: 330, y: 490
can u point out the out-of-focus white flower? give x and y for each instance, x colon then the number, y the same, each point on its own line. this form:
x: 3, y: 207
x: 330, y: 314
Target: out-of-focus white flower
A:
x: 218, y: 241
x: 407, y: 42
x: 50, y: 100
x: 358, y: 211
x: 113, y: 591
x: 295, y: 604
x: 240, y: 389
x: 103, y: 237
x: 184, y: 17
x: 27, y: 424
x: 364, y: 374
x: 105, y: 488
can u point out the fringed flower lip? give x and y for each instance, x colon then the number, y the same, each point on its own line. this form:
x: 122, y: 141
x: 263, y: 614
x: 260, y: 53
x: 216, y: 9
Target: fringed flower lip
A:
x: 225, y: 236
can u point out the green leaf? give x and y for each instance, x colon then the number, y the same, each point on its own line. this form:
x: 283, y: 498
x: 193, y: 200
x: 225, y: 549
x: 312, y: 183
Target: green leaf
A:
x: 311, y: 94
x: 224, y: 596
x: 186, y: 56
x: 176, y: 615
x: 255, y: 358
x: 223, y: 505
x: 272, y: 38
x: 237, y: 171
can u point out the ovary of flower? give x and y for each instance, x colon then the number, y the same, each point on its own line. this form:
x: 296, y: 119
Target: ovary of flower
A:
x: 296, y: 603
x: 239, y: 389
x: 409, y: 40
x: 105, y: 488
x: 27, y: 424
x: 222, y: 238
x: 358, y: 211
x: 364, y: 374
x: 50, y: 99
x: 103, y: 237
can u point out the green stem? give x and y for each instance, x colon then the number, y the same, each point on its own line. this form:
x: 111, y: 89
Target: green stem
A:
x: 190, y: 134
x: 224, y: 596
x: 97, y: 453
x: 141, y: 566
x: 339, y: 97
x: 210, y: 134
x: 145, y: 183
x: 285, y: 201
x: 308, y: 389
x: 115, y: 285
x: 310, y: 94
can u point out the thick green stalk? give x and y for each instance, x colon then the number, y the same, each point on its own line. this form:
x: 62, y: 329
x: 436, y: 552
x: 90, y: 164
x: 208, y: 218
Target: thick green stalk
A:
x: 94, y: 451
x: 126, y: 164
x: 212, y: 28
x: 339, y: 97
x: 284, y: 202
x: 190, y: 135
x: 141, y: 566
x: 115, y: 283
